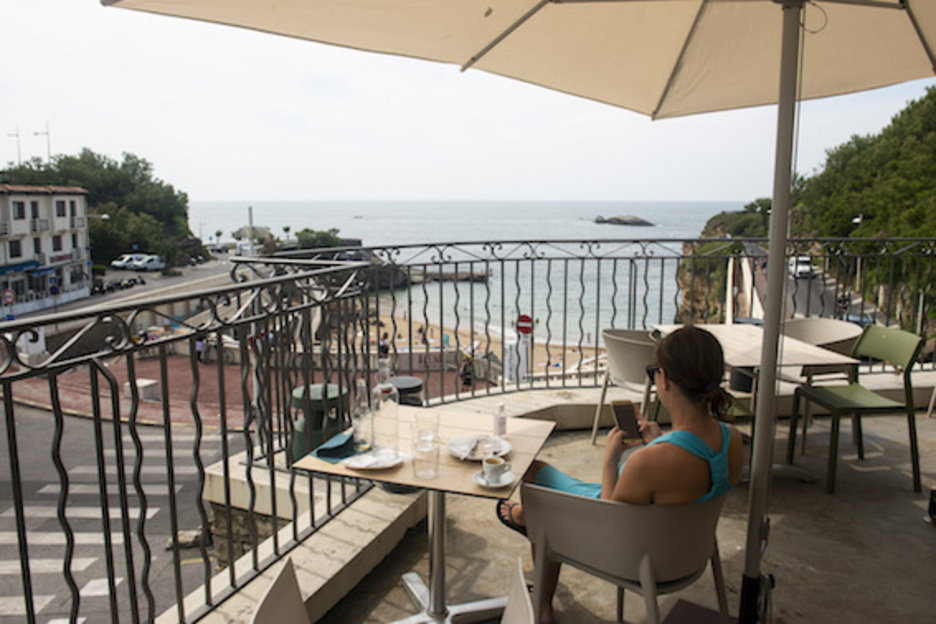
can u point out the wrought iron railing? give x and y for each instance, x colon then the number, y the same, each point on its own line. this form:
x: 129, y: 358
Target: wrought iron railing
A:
x: 470, y: 296
x: 230, y: 368
x: 223, y: 366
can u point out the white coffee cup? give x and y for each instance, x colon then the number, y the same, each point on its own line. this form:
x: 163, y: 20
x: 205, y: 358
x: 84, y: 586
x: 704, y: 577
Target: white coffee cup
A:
x: 494, y: 469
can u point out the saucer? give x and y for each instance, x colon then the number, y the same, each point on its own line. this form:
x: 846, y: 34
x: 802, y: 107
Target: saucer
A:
x: 506, y: 479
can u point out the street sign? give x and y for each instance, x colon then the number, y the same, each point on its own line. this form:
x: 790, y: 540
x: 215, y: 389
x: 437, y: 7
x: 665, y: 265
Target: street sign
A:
x: 54, y: 290
x: 524, y: 324
x: 9, y: 296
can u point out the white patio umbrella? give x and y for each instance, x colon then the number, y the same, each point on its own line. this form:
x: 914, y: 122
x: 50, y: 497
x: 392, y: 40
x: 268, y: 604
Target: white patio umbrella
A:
x: 663, y: 58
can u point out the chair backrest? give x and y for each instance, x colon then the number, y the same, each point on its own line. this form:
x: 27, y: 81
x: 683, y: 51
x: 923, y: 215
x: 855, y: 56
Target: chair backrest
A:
x: 519, y: 609
x: 282, y: 602
x: 833, y: 334
x: 613, y: 538
x: 894, y: 346
x: 628, y: 351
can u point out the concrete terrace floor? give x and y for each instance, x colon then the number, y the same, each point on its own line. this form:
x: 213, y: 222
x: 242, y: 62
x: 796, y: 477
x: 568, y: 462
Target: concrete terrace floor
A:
x: 863, y: 554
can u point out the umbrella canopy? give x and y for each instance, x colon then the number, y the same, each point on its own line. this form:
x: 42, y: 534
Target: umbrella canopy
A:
x: 663, y: 58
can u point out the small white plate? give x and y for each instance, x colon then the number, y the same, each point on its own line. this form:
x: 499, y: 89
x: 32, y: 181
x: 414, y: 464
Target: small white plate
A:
x: 460, y: 446
x: 376, y: 460
x: 506, y: 479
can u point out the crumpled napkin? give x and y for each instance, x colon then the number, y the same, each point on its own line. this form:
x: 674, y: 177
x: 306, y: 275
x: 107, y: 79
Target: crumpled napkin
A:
x: 336, y: 448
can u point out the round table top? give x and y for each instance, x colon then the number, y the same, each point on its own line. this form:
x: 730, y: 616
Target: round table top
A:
x: 405, y: 383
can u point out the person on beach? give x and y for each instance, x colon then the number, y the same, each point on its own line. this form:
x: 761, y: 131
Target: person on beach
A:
x: 699, y: 460
x: 467, y: 374
x: 383, y: 347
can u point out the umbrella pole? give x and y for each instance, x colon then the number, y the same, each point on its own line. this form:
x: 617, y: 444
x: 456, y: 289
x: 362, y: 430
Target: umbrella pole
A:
x: 753, y: 585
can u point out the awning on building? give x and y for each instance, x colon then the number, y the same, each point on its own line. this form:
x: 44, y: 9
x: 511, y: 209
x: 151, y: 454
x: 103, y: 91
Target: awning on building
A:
x: 18, y: 267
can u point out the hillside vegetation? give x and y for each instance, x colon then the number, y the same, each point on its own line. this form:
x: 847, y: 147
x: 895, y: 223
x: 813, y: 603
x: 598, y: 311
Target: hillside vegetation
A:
x: 876, y: 186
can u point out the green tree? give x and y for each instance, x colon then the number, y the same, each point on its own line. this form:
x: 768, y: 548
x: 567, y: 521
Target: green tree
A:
x: 315, y: 239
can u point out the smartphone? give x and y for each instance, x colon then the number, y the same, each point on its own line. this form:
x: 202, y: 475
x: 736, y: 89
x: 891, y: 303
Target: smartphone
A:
x: 625, y: 415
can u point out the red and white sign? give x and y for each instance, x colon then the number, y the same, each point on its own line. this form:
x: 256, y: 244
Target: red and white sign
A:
x: 9, y: 296
x: 524, y: 324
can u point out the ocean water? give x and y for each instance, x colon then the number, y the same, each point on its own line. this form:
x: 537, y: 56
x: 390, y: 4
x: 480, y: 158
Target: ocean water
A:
x: 567, y: 310
x: 401, y: 222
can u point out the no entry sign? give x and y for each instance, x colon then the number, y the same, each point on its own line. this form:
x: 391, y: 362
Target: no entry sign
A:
x: 524, y: 324
x: 9, y: 296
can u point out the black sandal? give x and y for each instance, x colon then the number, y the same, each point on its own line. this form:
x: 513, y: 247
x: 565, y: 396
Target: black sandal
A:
x: 505, y: 515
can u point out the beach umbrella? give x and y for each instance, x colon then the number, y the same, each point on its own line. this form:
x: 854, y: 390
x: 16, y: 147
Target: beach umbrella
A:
x: 663, y: 58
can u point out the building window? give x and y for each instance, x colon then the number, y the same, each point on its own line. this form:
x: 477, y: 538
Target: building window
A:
x: 34, y: 209
x: 72, y: 209
x: 37, y: 245
x: 57, y: 243
x: 16, y: 249
x: 19, y: 210
x: 60, y: 208
x: 74, y: 241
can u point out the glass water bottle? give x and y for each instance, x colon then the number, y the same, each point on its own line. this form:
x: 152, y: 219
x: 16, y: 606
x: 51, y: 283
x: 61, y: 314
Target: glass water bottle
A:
x: 362, y: 419
x: 385, y: 402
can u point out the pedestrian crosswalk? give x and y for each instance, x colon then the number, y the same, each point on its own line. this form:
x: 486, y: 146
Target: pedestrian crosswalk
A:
x: 47, y: 539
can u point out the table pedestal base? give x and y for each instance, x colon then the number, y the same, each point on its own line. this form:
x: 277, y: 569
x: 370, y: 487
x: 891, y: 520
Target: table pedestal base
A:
x: 476, y: 611
x: 430, y: 600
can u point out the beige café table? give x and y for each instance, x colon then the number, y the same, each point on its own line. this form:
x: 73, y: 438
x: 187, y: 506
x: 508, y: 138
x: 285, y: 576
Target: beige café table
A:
x: 526, y: 437
x: 742, y: 345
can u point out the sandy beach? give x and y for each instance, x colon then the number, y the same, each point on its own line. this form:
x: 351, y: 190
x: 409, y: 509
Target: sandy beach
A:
x: 405, y: 335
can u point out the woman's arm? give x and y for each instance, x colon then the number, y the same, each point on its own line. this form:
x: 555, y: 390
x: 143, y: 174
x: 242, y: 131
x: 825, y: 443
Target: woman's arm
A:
x: 636, y: 482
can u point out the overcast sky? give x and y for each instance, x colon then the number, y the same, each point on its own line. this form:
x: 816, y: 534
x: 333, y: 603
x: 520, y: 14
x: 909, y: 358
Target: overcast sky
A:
x: 224, y: 113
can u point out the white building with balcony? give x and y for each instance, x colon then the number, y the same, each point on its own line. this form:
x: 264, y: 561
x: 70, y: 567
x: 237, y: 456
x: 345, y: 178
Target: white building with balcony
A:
x: 43, y: 247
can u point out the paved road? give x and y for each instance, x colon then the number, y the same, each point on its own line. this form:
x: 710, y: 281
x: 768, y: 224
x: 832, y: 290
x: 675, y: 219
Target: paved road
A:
x: 154, y: 282
x: 40, y: 483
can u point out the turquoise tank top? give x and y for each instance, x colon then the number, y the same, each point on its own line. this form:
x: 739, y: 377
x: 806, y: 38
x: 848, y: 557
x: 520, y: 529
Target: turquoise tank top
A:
x: 718, y: 462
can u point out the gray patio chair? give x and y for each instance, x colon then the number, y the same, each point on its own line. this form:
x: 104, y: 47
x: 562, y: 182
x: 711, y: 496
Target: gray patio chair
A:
x: 628, y: 353
x: 892, y: 346
x: 519, y: 609
x: 832, y: 334
x: 649, y: 549
x: 282, y: 602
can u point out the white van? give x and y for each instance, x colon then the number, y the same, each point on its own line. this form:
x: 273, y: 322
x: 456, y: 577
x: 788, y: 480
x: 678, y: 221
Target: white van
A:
x: 801, y: 267
x: 126, y: 261
x: 149, y: 263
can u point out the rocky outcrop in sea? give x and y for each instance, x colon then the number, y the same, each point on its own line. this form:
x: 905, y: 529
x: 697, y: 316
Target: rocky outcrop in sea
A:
x: 626, y: 220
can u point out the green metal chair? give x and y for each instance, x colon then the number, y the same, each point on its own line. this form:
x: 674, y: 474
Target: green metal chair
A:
x: 893, y: 346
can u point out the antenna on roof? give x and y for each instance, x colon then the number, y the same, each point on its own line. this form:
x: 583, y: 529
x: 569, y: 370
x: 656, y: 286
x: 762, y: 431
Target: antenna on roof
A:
x: 19, y: 154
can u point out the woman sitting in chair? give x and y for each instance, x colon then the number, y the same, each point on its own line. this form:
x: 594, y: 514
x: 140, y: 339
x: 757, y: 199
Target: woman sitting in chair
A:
x: 699, y: 460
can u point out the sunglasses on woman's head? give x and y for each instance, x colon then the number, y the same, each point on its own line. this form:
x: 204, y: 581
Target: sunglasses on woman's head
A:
x: 652, y: 370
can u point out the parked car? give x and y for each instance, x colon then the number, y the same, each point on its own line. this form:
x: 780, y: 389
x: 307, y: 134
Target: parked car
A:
x: 149, y: 263
x: 126, y: 261
x: 862, y: 320
x: 801, y: 267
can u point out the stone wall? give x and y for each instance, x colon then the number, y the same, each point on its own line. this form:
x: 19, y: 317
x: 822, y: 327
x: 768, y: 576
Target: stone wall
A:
x: 241, y: 542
